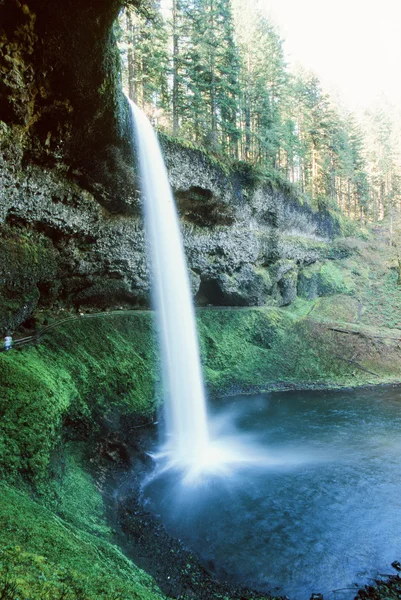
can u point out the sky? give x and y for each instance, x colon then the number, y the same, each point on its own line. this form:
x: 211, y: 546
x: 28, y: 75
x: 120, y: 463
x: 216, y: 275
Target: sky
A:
x: 354, y: 46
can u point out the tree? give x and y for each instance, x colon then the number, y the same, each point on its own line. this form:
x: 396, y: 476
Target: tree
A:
x: 144, y: 46
x: 214, y: 72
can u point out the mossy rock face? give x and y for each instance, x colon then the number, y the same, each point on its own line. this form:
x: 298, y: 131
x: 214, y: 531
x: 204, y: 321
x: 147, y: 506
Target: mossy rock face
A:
x: 60, y: 82
x: 284, y: 274
x: 288, y: 287
x: 280, y: 268
x: 104, y: 292
x: 28, y: 276
x: 302, y: 249
x: 201, y: 207
x: 248, y: 287
x: 322, y: 280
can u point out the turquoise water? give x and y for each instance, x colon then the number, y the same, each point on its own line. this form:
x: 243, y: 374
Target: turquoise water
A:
x: 322, y: 513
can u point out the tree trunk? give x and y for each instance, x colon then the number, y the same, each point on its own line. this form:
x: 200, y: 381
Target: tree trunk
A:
x: 213, y: 108
x: 131, y: 58
x: 175, y: 70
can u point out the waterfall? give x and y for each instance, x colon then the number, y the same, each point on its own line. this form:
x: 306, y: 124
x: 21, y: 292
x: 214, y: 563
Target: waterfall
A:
x: 185, y: 403
x: 189, y: 446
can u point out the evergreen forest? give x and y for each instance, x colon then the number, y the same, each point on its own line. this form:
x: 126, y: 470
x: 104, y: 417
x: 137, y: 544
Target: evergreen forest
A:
x: 214, y: 74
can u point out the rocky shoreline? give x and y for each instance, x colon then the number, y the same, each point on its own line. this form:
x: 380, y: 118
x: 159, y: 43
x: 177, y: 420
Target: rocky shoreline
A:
x: 179, y: 574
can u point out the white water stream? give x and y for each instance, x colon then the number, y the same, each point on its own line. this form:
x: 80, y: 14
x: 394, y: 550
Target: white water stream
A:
x: 189, y: 445
x: 187, y: 428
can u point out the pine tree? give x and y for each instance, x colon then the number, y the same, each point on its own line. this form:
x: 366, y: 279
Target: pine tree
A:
x: 144, y: 46
x: 214, y: 72
x: 212, y: 75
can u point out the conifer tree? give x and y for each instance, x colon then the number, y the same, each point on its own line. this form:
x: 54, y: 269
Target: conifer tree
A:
x: 214, y: 72
x: 144, y: 46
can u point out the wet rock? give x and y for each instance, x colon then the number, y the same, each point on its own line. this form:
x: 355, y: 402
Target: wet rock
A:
x: 247, y: 287
x: 194, y: 282
x: 288, y: 287
x: 396, y: 565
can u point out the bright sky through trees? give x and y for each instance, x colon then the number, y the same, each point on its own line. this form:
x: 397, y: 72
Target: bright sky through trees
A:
x: 354, y: 46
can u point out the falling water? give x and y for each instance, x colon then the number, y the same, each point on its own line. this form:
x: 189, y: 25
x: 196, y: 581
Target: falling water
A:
x: 186, y: 421
x: 189, y: 447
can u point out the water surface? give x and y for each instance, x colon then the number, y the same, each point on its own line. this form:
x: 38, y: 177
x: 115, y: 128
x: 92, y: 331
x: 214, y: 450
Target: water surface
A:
x: 322, y: 513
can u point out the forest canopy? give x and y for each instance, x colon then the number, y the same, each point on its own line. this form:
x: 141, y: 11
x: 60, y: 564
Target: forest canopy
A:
x: 214, y: 73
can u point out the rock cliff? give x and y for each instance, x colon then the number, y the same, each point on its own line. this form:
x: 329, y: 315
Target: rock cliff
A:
x: 246, y: 243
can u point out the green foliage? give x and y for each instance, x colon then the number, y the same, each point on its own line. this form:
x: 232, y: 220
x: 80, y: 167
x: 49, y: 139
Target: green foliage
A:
x: 322, y: 280
x: 331, y: 281
x: 382, y: 300
x: 266, y: 348
x: 143, y: 43
x: 345, y: 226
x: 73, y: 494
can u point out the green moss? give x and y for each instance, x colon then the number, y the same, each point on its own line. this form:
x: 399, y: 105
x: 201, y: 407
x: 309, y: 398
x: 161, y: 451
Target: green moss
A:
x: 75, y: 496
x: 381, y: 299
x: 280, y: 267
x: 337, y: 309
x: 347, y: 227
x: 264, y: 274
x: 28, y: 274
x: 331, y: 281
x: 265, y: 347
x: 344, y: 248
x: 215, y: 160
x: 322, y: 280
x: 304, y: 244
x: 84, y: 371
x: 44, y: 556
x: 250, y: 174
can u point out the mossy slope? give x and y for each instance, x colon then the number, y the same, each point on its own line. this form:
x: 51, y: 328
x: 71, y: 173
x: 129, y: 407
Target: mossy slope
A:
x: 266, y: 348
x: 85, y: 372
x: 44, y: 556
